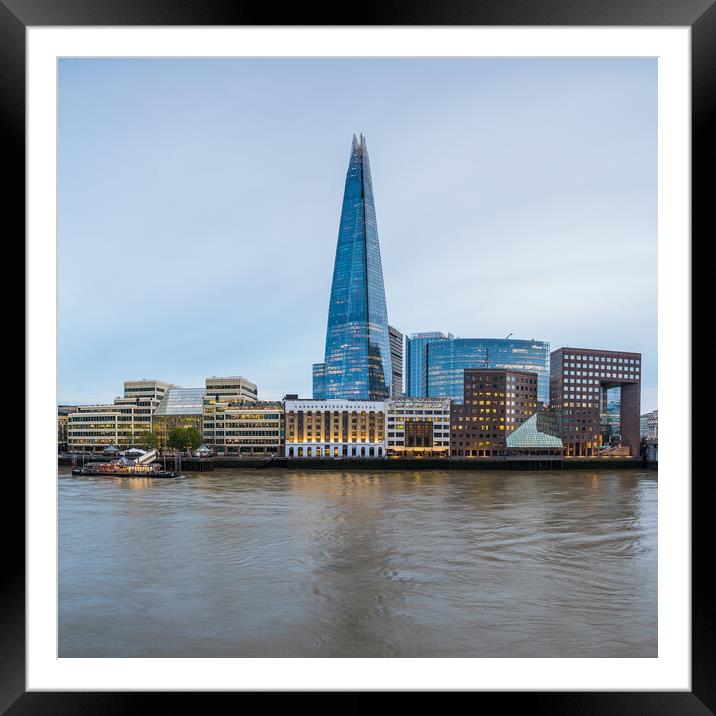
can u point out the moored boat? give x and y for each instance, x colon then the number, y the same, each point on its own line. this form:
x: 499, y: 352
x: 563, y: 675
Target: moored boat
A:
x: 143, y: 466
x: 112, y: 470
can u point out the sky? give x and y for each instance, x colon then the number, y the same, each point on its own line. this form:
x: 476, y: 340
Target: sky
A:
x: 199, y: 203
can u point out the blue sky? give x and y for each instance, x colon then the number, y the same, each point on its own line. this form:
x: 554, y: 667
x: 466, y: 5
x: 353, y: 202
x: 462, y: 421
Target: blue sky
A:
x: 199, y: 203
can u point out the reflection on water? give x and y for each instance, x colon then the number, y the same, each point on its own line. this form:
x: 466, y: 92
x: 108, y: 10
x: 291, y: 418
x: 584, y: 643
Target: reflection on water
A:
x: 300, y: 564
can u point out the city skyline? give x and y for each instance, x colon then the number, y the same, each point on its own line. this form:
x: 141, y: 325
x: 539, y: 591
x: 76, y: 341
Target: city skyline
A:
x: 590, y: 282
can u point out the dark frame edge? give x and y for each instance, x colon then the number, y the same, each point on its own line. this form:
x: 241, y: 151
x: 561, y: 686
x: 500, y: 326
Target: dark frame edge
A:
x: 702, y: 700
x: 12, y: 131
x: 703, y: 156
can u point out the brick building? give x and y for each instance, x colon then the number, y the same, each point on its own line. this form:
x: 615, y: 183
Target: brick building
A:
x: 580, y: 381
x: 496, y: 402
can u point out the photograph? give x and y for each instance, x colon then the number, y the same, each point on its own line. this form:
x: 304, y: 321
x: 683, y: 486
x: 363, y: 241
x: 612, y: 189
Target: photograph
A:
x: 357, y: 357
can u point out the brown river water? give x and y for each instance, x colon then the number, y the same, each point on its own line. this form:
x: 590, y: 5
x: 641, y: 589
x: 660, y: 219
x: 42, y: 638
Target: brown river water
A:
x: 284, y: 563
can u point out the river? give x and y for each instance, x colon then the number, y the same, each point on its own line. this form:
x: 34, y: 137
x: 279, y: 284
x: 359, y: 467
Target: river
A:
x: 284, y: 563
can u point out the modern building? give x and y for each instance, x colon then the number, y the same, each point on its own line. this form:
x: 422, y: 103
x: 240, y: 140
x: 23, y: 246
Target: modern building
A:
x: 180, y: 408
x: 416, y: 369
x: 446, y: 361
x: 63, y: 412
x: 155, y: 389
x: 396, y: 360
x: 649, y: 425
x: 496, y: 402
x: 335, y: 428
x: 184, y: 407
x: 319, y: 381
x: 243, y: 428
x: 357, y: 359
x: 583, y: 383
x: 419, y: 427
x: 94, y: 427
x: 537, y: 437
x: 234, y: 386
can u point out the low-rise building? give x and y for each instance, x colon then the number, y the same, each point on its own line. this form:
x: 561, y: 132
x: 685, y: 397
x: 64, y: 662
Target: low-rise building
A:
x: 91, y: 428
x: 180, y: 408
x: 649, y: 425
x: 335, y: 428
x: 234, y: 386
x: 418, y: 427
x: 63, y: 412
x: 495, y: 403
x: 243, y: 428
x: 537, y: 437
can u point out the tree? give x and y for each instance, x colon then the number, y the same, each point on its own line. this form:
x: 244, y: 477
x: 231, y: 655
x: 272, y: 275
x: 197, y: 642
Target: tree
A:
x: 184, y: 438
x: 147, y: 439
x: 176, y: 439
x: 193, y: 438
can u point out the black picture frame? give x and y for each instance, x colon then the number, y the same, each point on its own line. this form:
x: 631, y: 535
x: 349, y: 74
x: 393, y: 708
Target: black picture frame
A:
x: 699, y: 15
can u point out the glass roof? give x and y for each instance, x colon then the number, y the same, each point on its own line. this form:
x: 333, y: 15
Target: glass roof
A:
x: 528, y: 436
x: 181, y: 401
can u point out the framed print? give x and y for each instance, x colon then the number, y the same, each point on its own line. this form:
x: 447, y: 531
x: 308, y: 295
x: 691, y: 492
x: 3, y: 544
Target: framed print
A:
x: 258, y: 257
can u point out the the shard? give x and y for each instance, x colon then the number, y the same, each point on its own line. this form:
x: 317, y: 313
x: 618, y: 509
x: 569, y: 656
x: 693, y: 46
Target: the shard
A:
x: 357, y: 359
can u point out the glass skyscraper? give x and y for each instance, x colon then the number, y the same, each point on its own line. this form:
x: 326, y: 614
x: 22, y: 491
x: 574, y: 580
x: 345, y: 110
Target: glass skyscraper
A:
x: 357, y: 361
x: 319, y: 384
x: 416, y: 376
x: 445, y: 360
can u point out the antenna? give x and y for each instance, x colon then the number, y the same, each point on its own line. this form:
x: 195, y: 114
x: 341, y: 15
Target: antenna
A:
x: 508, y: 335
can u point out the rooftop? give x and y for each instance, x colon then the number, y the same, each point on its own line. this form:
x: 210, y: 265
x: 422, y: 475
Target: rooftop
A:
x: 181, y: 401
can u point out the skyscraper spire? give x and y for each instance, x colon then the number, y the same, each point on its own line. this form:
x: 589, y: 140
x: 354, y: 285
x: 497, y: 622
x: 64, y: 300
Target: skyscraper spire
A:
x: 357, y: 358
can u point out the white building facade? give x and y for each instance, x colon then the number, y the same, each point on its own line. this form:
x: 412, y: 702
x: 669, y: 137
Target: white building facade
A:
x: 335, y: 428
x: 91, y: 428
x: 244, y: 428
x: 234, y: 386
x: 418, y: 427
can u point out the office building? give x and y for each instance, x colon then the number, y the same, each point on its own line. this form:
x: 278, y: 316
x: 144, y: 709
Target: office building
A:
x: 319, y: 382
x: 234, y: 386
x: 583, y: 383
x: 180, y: 408
x: 446, y: 360
x: 335, y: 428
x: 396, y: 360
x: 92, y: 428
x: 418, y: 427
x: 63, y: 412
x: 496, y: 402
x: 184, y: 407
x: 649, y: 425
x: 416, y: 369
x: 243, y: 428
x: 154, y: 389
x: 357, y: 356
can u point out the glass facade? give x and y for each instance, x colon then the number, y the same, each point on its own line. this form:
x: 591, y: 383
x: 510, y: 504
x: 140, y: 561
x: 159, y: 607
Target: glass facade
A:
x: 319, y: 385
x: 445, y: 361
x: 357, y: 358
x: 181, y: 401
x: 610, y: 415
x: 531, y: 435
x: 416, y: 385
x: 396, y: 357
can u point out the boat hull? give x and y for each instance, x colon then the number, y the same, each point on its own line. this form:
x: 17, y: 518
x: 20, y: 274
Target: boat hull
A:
x: 97, y: 473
